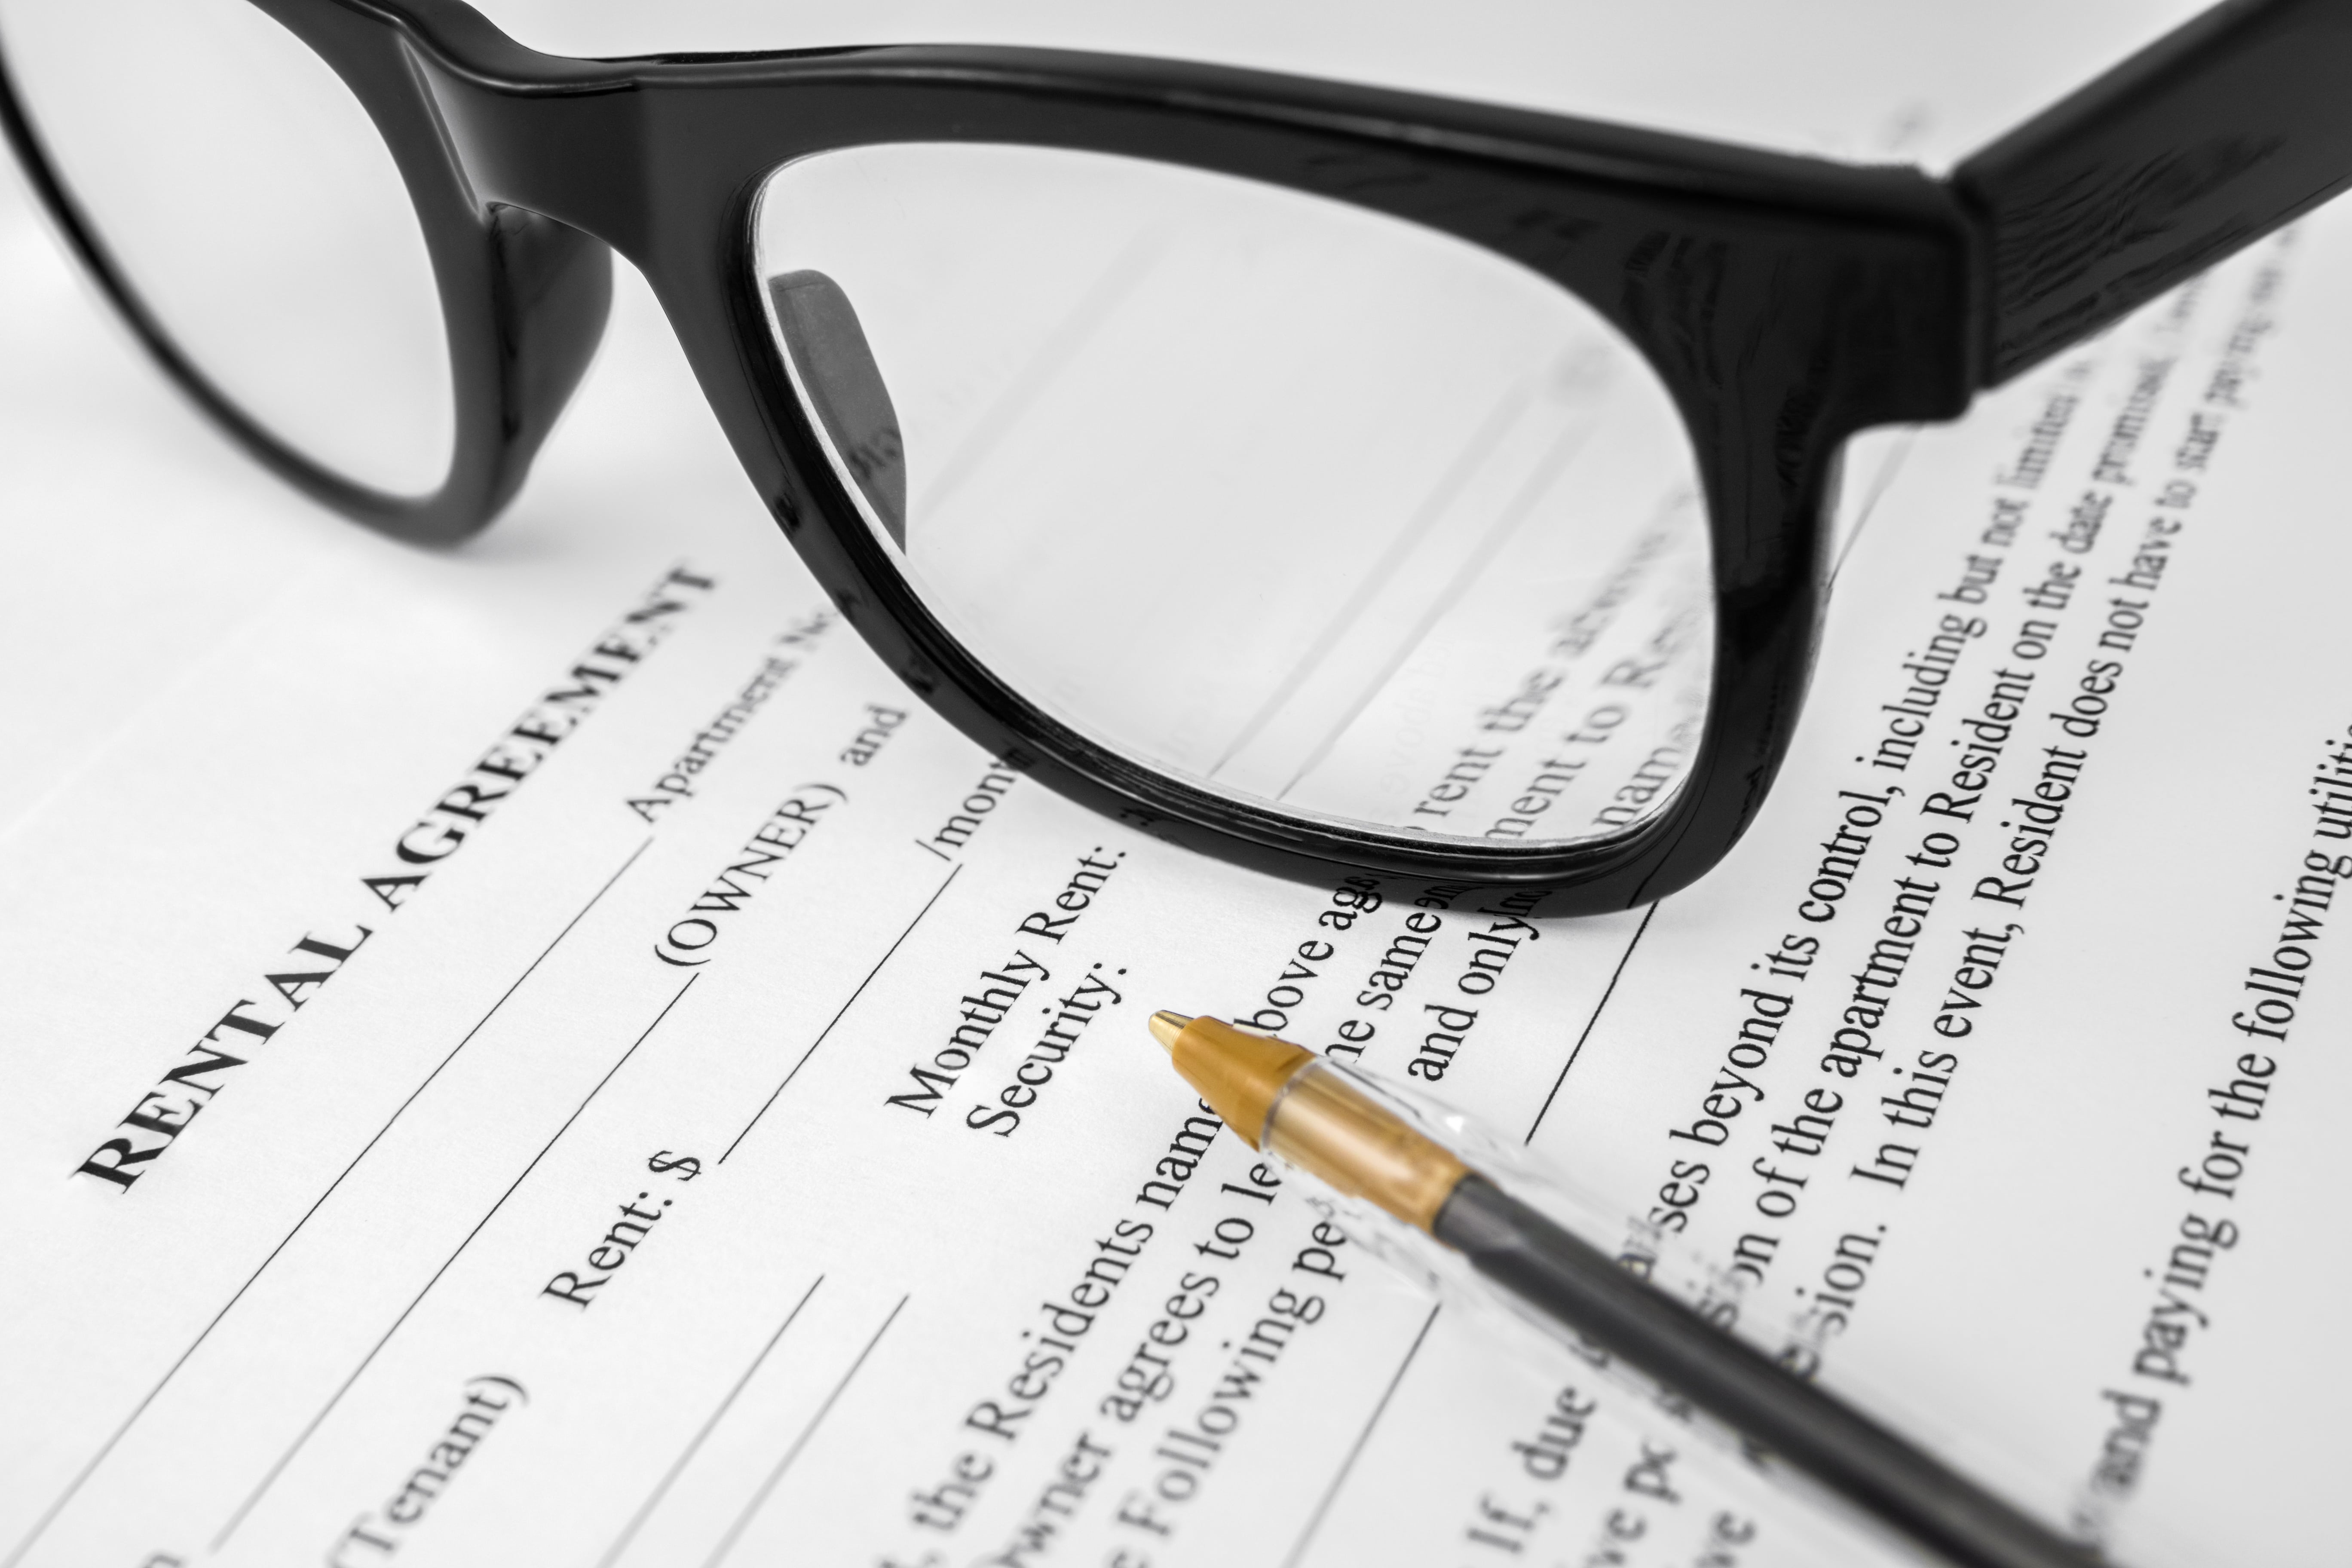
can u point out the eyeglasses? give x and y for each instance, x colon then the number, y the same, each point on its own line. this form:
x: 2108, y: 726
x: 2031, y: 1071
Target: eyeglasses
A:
x: 1320, y: 475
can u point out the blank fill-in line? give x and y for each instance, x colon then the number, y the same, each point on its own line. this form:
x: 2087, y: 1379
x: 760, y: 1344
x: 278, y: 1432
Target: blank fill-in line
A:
x: 750, y: 1509
x: 336, y: 1398
x: 692, y: 1449
x: 1611, y: 990
x: 1483, y: 442
x: 1127, y: 270
x: 1331, y: 1493
x: 1888, y: 466
x: 846, y: 1006
x: 1546, y: 474
x: 67, y: 1496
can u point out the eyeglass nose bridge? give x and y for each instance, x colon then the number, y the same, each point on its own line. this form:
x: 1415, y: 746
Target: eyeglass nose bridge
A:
x: 834, y: 367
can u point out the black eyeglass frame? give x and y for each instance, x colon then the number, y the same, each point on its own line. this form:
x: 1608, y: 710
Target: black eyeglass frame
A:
x: 1785, y: 302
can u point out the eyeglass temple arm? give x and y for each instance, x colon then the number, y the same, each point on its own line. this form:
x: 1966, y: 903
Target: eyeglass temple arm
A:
x: 2195, y: 147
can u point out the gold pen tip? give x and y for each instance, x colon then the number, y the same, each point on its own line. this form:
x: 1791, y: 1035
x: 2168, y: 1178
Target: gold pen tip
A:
x: 1265, y: 1089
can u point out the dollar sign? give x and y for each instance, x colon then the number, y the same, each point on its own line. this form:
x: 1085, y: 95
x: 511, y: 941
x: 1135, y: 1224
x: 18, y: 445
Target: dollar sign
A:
x: 686, y: 1166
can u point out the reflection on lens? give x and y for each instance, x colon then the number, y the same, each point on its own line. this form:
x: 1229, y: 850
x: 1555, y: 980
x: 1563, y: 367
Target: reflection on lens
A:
x: 1309, y: 507
x: 251, y: 203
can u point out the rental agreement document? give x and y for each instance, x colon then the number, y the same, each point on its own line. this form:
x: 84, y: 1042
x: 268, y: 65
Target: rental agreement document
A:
x: 547, y: 1054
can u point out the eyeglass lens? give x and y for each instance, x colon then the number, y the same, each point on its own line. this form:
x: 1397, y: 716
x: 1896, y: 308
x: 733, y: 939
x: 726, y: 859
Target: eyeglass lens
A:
x: 252, y: 205
x: 1310, y: 507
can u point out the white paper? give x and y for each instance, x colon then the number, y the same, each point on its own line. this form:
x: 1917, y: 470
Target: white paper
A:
x: 392, y: 1289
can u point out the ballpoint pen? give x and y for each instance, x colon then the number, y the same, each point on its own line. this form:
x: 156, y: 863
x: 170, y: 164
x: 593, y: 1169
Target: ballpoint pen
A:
x: 1332, y: 1123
